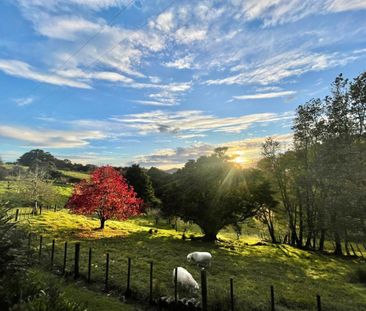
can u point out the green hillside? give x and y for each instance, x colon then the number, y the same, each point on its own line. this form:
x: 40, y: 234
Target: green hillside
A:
x: 297, y: 275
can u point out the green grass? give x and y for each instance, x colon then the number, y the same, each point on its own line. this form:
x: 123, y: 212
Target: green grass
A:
x: 77, y: 292
x: 78, y: 175
x: 297, y: 275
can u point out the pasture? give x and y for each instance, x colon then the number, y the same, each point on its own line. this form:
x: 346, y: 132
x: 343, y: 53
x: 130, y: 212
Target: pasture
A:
x: 297, y: 275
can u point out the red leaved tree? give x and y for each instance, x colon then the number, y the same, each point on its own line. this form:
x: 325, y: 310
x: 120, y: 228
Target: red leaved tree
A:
x: 106, y: 195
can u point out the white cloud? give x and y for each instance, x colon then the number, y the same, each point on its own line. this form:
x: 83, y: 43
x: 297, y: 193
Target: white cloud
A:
x: 188, y: 35
x: 20, y: 69
x: 181, y: 63
x: 50, y: 138
x: 154, y: 103
x: 65, y: 27
x: 170, y: 158
x: 66, y: 4
x: 346, y: 5
x: 164, y: 22
x: 273, y: 12
x: 249, y: 150
x: 24, y: 101
x: 194, y: 122
x: 285, y: 65
x: 101, y: 75
x: 265, y: 95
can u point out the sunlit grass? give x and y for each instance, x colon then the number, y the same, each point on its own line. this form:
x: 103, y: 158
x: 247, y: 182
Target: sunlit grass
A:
x: 297, y: 275
x: 79, y: 175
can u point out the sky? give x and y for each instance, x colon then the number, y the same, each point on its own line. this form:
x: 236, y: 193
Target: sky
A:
x: 161, y: 82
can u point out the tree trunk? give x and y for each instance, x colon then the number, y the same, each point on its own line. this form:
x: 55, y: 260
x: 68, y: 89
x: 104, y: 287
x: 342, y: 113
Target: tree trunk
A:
x: 346, y: 242
x: 338, y: 244
x: 102, y: 221
x: 271, y: 231
x: 210, y: 236
x: 321, y: 240
x: 35, y: 208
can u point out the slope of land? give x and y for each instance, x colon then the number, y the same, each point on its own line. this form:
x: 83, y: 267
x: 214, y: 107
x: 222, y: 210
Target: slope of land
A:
x: 297, y: 275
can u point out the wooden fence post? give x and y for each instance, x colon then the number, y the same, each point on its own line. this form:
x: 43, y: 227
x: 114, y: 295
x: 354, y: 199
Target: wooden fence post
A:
x: 55, y: 209
x: 176, y: 285
x: 204, y: 289
x: 272, y: 299
x: 40, y: 247
x: 128, y: 289
x: 89, y: 264
x: 106, y: 285
x: 232, y: 294
x: 318, y: 303
x: 40, y: 210
x: 77, y: 260
x: 151, y: 282
x: 65, y: 257
x: 52, y: 253
x: 16, y: 214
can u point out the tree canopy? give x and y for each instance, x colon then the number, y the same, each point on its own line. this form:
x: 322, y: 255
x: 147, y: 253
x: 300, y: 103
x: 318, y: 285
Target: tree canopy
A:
x: 106, y: 195
x: 142, y: 185
x: 214, y: 193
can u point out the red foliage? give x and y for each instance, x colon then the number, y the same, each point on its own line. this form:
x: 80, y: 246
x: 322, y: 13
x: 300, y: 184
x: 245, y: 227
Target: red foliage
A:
x: 106, y: 194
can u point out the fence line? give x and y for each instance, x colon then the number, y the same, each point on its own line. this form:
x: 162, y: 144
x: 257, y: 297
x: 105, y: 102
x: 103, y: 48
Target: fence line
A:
x: 128, y: 292
x: 202, y: 304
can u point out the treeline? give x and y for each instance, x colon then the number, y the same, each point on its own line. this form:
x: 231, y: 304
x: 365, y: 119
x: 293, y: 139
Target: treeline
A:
x: 321, y: 183
x: 48, y: 161
x: 315, y: 192
x: 45, y: 161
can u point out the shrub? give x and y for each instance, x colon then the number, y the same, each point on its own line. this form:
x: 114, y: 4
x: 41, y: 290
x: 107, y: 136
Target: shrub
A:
x: 358, y: 275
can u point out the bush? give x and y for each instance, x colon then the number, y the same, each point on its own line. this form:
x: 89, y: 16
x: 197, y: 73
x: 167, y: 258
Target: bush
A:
x: 359, y: 275
x: 49, y: 299
x: 20, y: 289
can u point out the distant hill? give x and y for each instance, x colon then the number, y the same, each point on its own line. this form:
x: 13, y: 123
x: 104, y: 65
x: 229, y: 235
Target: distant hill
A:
x: 171, y: 170
x: 47, y: 160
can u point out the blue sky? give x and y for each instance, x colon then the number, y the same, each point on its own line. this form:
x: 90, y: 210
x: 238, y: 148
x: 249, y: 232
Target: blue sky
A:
x: 161, y: 82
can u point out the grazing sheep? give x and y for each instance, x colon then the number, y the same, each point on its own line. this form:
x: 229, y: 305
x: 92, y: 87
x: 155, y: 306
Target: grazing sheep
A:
x: 202, y: 259
x: 185, y: 280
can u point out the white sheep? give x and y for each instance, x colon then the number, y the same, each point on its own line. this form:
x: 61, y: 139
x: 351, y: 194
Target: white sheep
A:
x: 185, y: 280
x: 202, y: 259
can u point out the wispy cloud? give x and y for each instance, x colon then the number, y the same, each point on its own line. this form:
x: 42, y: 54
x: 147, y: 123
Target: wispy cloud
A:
x: 24, y: 101
x: 264, y: 95
x: 285, y: 65
x: 194, y: 122
x: 50, y: 138
x: 273, y: 12
x: 66, y: 4
x: 154, y: 103
x: 20, y: 69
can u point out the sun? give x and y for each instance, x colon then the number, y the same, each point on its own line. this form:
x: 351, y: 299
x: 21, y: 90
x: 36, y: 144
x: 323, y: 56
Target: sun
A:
x: 238, y: 158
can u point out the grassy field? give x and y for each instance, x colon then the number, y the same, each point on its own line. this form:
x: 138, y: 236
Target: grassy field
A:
x: 297, y: 276
x: 76, y: 292
x: 78, y: 175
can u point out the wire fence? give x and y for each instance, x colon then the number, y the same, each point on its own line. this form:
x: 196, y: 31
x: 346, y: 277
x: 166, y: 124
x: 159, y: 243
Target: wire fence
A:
x: 135, y: 278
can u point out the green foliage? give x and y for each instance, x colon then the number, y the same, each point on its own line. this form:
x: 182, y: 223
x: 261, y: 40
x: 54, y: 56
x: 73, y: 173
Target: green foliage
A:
x: 141, y: 183
x: 49, y: 299
x: 321, y: 183
x: 214, y: 193
x: 359, y: 275
x: 160, y: 179
x: 46, y: 160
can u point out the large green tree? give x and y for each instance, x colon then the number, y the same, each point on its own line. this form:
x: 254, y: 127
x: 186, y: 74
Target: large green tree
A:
x: 214, y: 193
